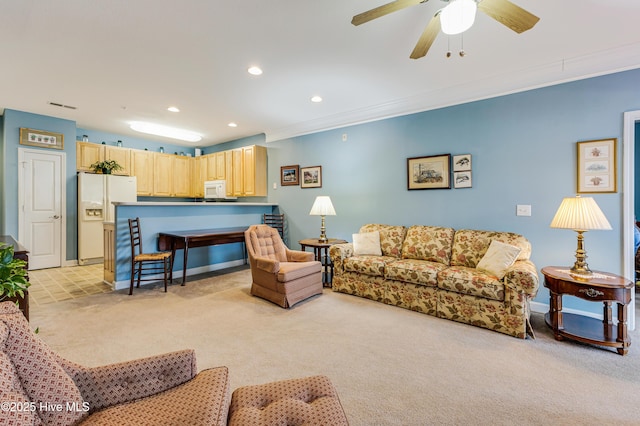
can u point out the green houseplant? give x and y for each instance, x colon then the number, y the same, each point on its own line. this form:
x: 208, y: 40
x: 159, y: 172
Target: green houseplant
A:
x: 13, y: 279
x: 106, y: 166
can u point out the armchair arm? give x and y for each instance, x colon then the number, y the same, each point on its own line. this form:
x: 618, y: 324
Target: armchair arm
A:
x: 299, y: 256
x: 113, y: 384
x: 522, y: 276
x: 338, y: 253
x: 268, y: 265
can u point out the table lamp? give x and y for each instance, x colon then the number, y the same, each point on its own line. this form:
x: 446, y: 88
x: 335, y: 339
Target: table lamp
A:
x: 322, y: 207
x: 580, y: 214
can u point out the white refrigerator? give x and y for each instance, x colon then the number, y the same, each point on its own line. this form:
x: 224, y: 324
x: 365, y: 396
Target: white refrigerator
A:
x: 96, y: 193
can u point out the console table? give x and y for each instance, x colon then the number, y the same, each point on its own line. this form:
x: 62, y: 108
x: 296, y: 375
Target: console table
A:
x: 321, y: 251
x: 599, y: 287
x: 197, y: 238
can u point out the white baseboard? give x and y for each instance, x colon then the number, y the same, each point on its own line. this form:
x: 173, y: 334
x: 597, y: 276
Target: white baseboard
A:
x: 119, y: 285
x: 543, y: 308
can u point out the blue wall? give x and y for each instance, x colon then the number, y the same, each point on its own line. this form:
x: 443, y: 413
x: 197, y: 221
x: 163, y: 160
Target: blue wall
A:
x: 523, y: 148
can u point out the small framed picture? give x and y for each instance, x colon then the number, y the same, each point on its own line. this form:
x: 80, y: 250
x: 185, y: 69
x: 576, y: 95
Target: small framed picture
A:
x: 41, y: 138
x: 597, y: 166
x: 290, y: 175
x: 433, y: 172
x: 311, y: 177
x: 462, y: 179
x: 461, y: 163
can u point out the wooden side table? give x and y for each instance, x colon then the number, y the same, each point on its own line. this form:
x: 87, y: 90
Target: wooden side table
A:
x: 321, y: 251
x: 600, y: 287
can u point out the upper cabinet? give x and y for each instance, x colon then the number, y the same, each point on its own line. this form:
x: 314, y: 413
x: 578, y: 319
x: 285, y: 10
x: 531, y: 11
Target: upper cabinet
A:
x: 122, y: 156
x: 167, y: 175
x: 86, y: 154
x: 142, y: 167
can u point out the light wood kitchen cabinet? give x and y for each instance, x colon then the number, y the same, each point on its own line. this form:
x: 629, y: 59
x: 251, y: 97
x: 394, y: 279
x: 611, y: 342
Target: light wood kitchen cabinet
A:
x: 163, y: 175
x: 212, y: 165
x: 88, y: 153
x: 122, y: 156
x: 142, y: 167
x: 249, y: 171
x: 228, y: 172
x: 181, y: 176
x: 220, y: 165
x: 199, y: 175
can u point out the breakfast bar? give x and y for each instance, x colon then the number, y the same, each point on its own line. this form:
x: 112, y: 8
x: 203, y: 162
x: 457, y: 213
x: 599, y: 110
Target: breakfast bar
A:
x: 207, y: 228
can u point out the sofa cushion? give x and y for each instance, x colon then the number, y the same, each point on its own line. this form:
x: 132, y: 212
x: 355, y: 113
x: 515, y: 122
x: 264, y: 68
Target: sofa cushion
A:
x: 290, y: 271
x: 391, y: 238
x: 498, y: 258
x: 367, y: 243
x: 469, y: 246
x: 471, y: 281
x: 420, y: 272
x: 428, y: 243
x: 367, y: 265
x: 42, y: 378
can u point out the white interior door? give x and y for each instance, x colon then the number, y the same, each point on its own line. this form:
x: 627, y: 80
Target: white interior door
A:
x: 41, y: 203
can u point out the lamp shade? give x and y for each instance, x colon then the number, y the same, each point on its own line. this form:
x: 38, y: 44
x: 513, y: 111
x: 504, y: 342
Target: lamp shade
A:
x: 322, y: 207
x: 458, y: 16
x: 580, y: 213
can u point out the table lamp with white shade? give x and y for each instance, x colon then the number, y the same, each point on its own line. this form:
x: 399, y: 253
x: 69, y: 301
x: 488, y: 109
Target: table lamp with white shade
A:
x: 580, y: 214
x: 322, y: 207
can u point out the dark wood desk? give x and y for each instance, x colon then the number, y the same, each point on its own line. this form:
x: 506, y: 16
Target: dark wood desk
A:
x: 600, y: 287
x: 198, y: 238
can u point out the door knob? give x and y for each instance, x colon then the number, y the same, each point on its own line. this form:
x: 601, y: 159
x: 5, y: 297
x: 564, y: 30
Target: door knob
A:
x: 55, y: 217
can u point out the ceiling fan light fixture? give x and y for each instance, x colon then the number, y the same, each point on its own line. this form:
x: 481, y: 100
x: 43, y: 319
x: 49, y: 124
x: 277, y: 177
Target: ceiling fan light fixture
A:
x: 458, y: 16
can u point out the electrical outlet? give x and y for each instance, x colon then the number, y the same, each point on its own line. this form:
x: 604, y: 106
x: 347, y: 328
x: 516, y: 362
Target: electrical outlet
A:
x: 523, y: 210
x: 275, y: 185
x: 344, y: 137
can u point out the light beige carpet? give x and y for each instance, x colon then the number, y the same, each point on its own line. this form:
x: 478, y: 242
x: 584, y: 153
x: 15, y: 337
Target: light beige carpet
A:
x: 391, y: 366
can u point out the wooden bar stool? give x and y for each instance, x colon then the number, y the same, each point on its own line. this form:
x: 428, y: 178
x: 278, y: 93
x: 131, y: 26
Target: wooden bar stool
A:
x: 147, y: 263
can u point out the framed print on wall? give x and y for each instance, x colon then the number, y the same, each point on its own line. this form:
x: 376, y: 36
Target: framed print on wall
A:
x: 432, y: 172
x: 41, y: 138
x: 597, y: 166
x: 462, y: 179
x: 311, y: 177
x: 461, y: 162
x: 290, y: 175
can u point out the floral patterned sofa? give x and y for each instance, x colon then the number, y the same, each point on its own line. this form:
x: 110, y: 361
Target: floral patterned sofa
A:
x: 433, y: 270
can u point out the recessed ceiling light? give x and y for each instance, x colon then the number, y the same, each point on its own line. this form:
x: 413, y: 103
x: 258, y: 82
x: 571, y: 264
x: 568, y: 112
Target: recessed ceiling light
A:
x: 316, y: 99
x: 165, y: 131
x: 232, y: 124
x: 173, y: 109
x: 254, y: 70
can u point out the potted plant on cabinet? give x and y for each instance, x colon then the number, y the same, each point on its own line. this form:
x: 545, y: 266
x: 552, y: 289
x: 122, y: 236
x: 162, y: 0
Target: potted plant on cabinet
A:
x: 106, y: 166
x: 13, y: 279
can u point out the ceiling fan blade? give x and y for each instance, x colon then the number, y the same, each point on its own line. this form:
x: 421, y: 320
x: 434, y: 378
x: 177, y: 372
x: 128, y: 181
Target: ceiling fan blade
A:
x: 383, y: 10
x: 508, y: 14
x: 427, y: 38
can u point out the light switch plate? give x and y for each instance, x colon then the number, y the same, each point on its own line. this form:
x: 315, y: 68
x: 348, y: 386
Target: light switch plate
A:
x: 523, y: 210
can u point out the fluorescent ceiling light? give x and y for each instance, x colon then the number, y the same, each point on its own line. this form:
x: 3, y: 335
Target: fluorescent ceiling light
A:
x: 173, y: 109
x: 254, y: 71
x: 232, y: 124
x: 458, y: 16
x: 165, y: 131
x: 316, y: 99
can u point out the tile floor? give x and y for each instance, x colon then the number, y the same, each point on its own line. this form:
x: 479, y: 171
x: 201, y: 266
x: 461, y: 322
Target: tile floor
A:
x: 57, y: 284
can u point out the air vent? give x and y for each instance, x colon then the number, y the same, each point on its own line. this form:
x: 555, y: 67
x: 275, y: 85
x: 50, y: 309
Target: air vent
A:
x: 62, y: 105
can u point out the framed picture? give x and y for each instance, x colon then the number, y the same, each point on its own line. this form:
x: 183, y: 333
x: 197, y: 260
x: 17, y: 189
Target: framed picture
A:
x: 311, y: 177
x: 41, y: 138
x: 461, y: 162
x: 431, y: 172
x: 597, y: 166
x: 462, y: 179
x: 290, y: 175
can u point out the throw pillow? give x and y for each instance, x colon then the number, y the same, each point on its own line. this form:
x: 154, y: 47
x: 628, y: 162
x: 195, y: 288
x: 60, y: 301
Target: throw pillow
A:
x: 498, y: 258
x: 367, y: 243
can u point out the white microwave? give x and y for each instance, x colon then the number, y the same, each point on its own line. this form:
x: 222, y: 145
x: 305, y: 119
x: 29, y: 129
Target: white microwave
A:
x: 216, y: 190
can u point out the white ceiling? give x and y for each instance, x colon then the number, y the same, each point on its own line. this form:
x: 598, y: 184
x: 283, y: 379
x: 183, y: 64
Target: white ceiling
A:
x: 119, y: 61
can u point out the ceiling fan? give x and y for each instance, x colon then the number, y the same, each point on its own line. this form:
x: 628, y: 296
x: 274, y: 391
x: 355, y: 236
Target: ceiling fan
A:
x: 455, y: 18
